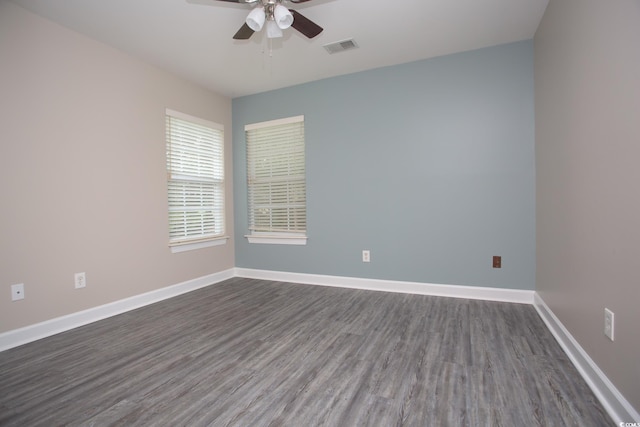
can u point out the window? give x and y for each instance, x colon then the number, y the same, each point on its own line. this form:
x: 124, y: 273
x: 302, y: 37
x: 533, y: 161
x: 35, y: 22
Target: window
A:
x: 276, y: 181
x: 195, y: 182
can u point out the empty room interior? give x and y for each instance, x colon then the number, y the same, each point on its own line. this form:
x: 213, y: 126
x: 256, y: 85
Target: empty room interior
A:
x: 319, y: 212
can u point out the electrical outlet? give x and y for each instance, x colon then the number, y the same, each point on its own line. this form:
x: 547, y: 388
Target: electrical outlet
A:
x: 366, y: 256
x: 17, y: 292
x: 497, y: 261
x: 608, y: 323
x: 80, y: 280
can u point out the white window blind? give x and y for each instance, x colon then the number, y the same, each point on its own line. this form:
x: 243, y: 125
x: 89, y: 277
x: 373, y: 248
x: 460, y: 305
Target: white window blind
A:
x: 276, y: 177
x: 195, y: 178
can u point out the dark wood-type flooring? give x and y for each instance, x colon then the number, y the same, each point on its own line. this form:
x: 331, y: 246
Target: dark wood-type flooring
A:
x: 258, y: 353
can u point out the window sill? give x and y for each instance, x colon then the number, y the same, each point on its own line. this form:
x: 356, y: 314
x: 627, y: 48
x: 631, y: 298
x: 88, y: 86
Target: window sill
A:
x: 270, y: 239
x: 184, y: 247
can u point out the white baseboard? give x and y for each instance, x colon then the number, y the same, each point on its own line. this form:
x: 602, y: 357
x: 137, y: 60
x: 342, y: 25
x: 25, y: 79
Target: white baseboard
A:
x: 51, y: 327
x: 618, y: 408
x: 616, y: 405
x: 45, y: 329
x: 454, y: 291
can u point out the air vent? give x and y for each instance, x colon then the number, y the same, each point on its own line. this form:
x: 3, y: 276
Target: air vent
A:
x: 341, y: 46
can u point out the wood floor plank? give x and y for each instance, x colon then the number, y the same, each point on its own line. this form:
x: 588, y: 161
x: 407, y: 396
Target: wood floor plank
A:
x: 260, y: 353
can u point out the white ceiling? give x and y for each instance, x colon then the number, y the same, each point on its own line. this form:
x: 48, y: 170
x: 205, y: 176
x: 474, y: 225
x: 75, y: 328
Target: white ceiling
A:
x: 193, y: 38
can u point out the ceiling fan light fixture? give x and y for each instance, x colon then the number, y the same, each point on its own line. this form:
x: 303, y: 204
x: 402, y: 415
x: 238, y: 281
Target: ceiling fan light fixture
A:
x: 282, y: 16
x: 273, y: 30
x: 255, y: 19
x: 277, y: 17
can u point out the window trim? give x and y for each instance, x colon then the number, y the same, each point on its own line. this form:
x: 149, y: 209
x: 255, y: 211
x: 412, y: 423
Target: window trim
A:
x: 202, y: 241
x: 275, y: 237
x: 276, y: 122
x: 191, y: 246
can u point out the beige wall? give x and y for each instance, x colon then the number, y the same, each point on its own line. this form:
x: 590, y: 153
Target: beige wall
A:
x: 587, y: 79
x: 82, y: 172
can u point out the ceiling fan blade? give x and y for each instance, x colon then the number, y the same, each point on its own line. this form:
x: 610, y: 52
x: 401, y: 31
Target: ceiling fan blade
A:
x: 243, y: 1
x: 243, y: 33
x: 305, y: 25
x: 298, y: 1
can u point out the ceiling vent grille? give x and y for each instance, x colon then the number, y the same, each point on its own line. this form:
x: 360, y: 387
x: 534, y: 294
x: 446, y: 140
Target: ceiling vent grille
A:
x: 341, y: 46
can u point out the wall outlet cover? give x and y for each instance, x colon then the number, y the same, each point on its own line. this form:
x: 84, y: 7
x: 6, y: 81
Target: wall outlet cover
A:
x: 497, y: 261
x: 609, y: 323
x: 17, y: 292
x: 80, y: 280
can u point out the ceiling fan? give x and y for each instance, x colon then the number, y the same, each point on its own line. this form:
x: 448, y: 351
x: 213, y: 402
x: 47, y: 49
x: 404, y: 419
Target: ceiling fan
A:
x: 277, y: 18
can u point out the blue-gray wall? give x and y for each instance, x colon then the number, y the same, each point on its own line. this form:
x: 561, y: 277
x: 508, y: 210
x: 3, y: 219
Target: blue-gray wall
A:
x: 429, y: 165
